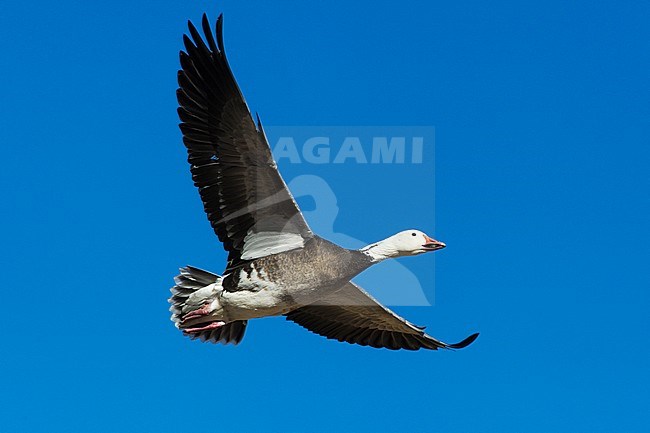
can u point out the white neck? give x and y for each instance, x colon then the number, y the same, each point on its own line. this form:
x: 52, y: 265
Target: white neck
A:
x: 381, y: 250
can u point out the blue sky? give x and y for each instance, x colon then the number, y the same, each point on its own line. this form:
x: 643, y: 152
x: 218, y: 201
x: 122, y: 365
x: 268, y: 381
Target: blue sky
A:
x: 541, y: 193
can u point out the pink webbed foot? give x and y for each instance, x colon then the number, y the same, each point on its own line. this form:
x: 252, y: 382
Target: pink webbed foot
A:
x: 203, y: 311
x: 211, y: 325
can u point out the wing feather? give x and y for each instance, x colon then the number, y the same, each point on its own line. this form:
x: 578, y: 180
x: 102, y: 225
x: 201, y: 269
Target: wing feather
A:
x: 353, y: 316
x: 242, y: 191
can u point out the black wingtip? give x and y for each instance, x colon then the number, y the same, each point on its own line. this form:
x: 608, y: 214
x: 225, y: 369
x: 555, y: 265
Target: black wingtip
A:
x: 220, y: 33
x: 189, y: 44
x: 207, y: 31
x: 205, y: 25
x: 466, y: 342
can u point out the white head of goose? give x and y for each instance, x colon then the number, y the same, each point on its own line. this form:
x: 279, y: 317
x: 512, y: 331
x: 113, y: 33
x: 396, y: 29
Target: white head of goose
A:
x: 276, y: 264
x: 407, y: 243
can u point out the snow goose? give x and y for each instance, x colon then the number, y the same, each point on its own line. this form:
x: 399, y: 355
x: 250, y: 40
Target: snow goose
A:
x: 276, y: 265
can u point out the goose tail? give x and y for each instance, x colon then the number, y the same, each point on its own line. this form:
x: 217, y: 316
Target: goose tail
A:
x: 195, y: 308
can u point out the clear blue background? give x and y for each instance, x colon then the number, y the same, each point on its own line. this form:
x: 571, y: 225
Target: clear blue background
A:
x: 542, y: 194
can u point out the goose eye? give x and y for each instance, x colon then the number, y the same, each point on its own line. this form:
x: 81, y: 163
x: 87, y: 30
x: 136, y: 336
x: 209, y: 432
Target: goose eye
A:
x: 412, y: 234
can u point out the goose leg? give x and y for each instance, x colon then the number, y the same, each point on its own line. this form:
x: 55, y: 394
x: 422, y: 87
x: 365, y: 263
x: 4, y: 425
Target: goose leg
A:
x: 203, y: 311
x: 209, y: 326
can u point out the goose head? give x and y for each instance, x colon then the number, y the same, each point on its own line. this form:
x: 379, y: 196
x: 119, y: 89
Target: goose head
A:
x: 406, y: 243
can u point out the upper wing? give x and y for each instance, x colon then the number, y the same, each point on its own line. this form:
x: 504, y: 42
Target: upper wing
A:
x: 352, y: 315
x: 247, y: 202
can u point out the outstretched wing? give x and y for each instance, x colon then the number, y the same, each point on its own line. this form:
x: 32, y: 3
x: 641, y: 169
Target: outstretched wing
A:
x: 353, y: 316
x: 246, y: 200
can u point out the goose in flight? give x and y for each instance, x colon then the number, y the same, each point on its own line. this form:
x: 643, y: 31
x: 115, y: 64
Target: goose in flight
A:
x: 276, y: 264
